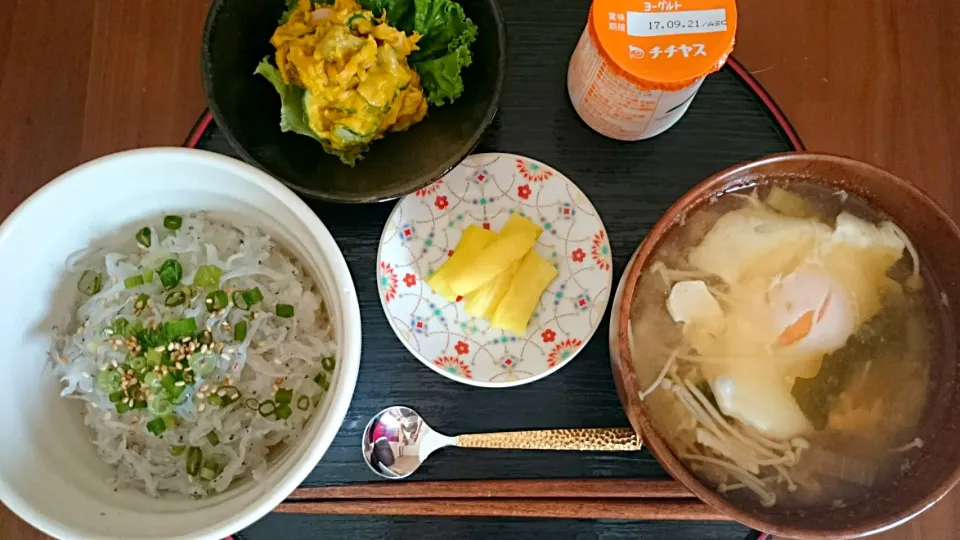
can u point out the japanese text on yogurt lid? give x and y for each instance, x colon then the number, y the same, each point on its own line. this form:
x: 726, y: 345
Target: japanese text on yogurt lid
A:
x: 665, y: 44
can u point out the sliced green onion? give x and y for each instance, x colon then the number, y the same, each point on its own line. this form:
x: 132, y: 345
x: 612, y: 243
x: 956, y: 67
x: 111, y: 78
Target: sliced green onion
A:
x: 90, y: 282
x: 283, y: 411
x: 284, y: 310
x: 316, y: 400
x: 169, y: 383
x: 141, y: 302
x: 154, y: 357
x: 120, y: 326
x: 204, y: 364
x: 283, y: 395
x: 151, y: 380
x: 174, y: 299
x: 210, y: 470
x: 213, y: 438
x: 216, y: 300
x: 246, y: 299
x: 143, y: 237
x: 303, y: 403
x: 252, y: 404
x: 230, y: 394
x: 139, y: 364
x: 116, y: 397
x: 109, y: 380
x: 133, y: 281
x: 177, y: 450
x: 170, y: 421
x: 160, y: 405
x: 122, y: 408
x: 321, y: 380
x: 240, y: 331
x: 172, y: 222
x: 170, y: 273
x: 194, y: 458
x: 178, y: 328
x: 148, y: 275
x: 156, y: 426
x: 252, y: 296
x: 205, y: 337
x: 215, y: 400
x: 328, y: 363
x: 139, y: 404
x: 267, y: 407
x: 207, y: 275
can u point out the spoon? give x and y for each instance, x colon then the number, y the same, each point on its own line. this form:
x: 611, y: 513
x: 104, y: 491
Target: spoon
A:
x: 397, y: 440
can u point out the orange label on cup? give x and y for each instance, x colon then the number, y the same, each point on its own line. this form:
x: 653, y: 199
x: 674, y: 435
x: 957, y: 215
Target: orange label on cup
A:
x: 670, y: 43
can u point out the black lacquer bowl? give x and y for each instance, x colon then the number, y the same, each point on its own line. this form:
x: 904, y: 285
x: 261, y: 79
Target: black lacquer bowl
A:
x: 247, y: 109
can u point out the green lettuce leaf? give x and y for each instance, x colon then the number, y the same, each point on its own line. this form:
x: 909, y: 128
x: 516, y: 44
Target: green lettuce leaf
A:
x: 440, y: 77
x: 291, y: 7
x: 399, y: 12
x: 444, y: 28
x: 293, y: 115
x: 446, y: 36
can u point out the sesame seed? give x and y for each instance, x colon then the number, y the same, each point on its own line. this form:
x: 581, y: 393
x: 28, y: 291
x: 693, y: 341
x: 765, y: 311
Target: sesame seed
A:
x: 179, y: 383
x: 179, y: 365
x: 186, y: 339
x: 108, y: 332
x: 202, y: 407
x: 170, y: 347
x: 221, y: 392
x: 94, y: 405
x: 115, y: 364
x: 160, y: 348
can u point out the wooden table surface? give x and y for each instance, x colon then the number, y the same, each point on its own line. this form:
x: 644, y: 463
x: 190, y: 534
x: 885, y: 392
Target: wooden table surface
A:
x: 873, y: 80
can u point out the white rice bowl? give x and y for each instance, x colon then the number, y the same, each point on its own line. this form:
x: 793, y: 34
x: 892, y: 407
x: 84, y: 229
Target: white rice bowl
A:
x: 53, y: 470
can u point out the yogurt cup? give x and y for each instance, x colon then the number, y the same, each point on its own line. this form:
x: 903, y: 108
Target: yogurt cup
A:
x: 638, y: 65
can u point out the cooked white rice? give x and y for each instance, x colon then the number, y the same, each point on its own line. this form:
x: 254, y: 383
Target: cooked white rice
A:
x: 277, y: 353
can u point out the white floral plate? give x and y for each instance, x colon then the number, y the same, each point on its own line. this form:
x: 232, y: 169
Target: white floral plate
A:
x: 484, y: 190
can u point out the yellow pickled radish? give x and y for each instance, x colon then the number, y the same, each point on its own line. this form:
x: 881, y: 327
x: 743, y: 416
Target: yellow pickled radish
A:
x: 491, y: 262
x: 518, y: 224
x: 516, y: 307
x: 483, y: 301
x: 471, y: 243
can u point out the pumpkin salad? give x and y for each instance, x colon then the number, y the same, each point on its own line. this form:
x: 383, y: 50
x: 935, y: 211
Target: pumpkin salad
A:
x: 346, y: 77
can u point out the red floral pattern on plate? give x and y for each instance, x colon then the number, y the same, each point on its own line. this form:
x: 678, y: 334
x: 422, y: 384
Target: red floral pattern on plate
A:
x: 409, y: 280
x: 578, y: 255
x: 388, y: 281
x: 429, y: 190
x: 524, y: 191
x: 441, y: 202
x: 548, y: 336
x: 563, y: 351
x: 454, y: 366
x: 462, y: 348
x: 600, y: 250
x: 533, y: 171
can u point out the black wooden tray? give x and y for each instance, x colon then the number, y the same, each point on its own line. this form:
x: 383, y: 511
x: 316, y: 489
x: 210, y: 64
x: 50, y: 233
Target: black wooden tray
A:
x: 631, y: 184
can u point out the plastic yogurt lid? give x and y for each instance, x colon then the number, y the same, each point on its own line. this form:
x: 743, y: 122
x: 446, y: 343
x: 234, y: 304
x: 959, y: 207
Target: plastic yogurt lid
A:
x: 664, y: 44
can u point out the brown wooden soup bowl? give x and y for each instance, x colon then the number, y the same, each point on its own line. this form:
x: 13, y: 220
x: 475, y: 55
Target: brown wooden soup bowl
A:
x: 936, y: 466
